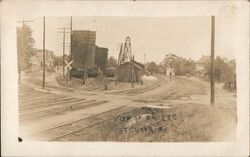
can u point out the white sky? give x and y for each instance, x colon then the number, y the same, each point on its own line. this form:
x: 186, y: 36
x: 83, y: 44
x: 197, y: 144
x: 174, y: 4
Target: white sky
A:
x: 188, y: 37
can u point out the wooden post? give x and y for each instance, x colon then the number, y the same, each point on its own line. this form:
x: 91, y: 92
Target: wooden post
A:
x: 132, y: 73
x: 67, y: 76
x: 64, y: 47
x: 212, y: 60
x: 63, y: 51
x: 118, y: 65
x: 116, y: 75
x: 70, y: 53
x: 43, y: 52
x: 145, y: 62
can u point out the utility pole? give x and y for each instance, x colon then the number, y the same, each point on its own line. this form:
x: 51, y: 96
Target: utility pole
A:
x: 63, y: 47
x: 212, y: 59
x: 132, y: 72
x: 43, y: 52
x: 70, y: 50
x: 118, y: 63
x: 144, y: 55
x: 144, y: 58
x: 63, y: 51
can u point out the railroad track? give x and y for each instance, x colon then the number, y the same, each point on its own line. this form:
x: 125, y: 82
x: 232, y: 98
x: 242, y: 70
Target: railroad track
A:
x: 43, y: 100
x: 59, y: 132
x: 146, y: 89
x: 60, y: 110
x: 160, y: 82
x: 49, y: 106
x: 34, y: 105
x: 23, y: 101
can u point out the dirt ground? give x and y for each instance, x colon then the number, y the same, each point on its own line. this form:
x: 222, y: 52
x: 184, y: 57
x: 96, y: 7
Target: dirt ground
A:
x: 161, y: 110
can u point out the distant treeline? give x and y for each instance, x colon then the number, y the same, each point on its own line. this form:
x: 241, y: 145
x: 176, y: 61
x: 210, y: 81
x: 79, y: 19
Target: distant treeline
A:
x: 224, y: 69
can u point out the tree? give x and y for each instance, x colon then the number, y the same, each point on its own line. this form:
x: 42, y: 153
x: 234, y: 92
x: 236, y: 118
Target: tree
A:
x: 25, y: 44
x: 181, y: 66
x: 229, y: 71
x: 152, y: 67
x: 220, y: 68
x: 169, y: 60
x: 188, y: 67
x: 223, y: 70
x: 112, y: 62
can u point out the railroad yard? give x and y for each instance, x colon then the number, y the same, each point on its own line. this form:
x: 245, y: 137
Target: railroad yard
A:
x: 176, y: 110
x: 92, y: 92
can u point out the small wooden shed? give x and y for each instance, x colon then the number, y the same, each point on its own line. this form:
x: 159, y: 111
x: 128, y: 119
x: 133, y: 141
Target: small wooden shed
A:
x: 130, y: 72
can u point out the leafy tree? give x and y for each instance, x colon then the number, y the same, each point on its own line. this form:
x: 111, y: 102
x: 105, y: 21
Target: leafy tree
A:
x: 180, y: 65
x: 188, y: 67
x: 223, y: 70
x: 161, y: 68
x: 152, y: 67
x: 220, y: 67
x: 112, y: 62
x: 25, y: 44
x: 229, y: 71
x: 169, y: 60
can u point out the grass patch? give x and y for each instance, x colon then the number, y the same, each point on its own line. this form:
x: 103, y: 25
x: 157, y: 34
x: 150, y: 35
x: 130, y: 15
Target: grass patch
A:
x: 187, y: 123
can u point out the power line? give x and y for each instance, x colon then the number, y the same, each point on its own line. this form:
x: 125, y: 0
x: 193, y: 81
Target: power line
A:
x: 24, y: 21
x: 70, y: 53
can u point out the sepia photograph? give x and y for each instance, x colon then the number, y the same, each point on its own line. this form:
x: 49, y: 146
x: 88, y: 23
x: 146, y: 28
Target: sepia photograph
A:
x: 124, y: 78
x: 127, y: 79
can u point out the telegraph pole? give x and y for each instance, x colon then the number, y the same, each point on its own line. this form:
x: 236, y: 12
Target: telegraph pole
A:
x: 144, y: 55
x: 144, y: 58
x: 43, y: 52
x: 70, y: 50
x: 63, y: 51
x: 63, y: 46
x: 212, y: 59
x: 118, y: 63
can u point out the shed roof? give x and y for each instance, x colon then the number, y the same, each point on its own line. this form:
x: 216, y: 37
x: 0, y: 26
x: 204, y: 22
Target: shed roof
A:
x: 136, y: 64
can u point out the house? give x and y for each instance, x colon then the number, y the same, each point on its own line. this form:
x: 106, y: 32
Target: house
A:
x: 169, y: 71
x: 166, y: 70
x: 200, y: 66
x: 162, y: 70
